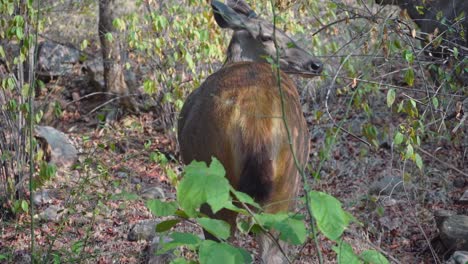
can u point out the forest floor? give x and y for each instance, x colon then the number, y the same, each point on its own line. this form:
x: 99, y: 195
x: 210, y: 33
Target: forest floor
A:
x: 130, y: 157
x: 124, y: 163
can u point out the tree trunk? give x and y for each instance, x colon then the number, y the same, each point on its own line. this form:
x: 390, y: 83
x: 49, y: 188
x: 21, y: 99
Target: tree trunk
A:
x: 113, y: 55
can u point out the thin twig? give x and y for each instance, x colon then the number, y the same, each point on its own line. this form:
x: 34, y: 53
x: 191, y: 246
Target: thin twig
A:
x: 298, y: 166
x: 442, y: 162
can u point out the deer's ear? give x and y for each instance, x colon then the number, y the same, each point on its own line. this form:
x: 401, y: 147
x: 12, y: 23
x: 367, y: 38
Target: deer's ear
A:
x: 226, y: 17
x: 241, y: 7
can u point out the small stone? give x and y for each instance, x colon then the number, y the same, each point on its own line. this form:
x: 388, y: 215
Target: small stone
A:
x: 387, y: 185
x: 155, y: 245
x: 143, y: 230
x: 454, y: 231
x: 458, y: 257
x: 153, y: 193
x: 121, y: 174
x: 459, y: 182
x: 135, y: 180
x: 52, y: 214
x: 464, y: 198
x: 389, y: 202
x: 390, y: 223
x: 22, y: 256
x: 62, y: 152
x: 41, y: 197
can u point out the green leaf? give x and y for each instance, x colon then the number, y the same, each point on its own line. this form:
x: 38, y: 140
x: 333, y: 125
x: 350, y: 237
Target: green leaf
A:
x: 25, y: 90
x: 331, y: 218
x: 189, y: 60
x: 245, y: 198
x: 24, y: 206
x: 166, y: 225
x: 398, y: 138
x: 409, y: 77
x: 391, y: 97
x: 202, y: 184
x: 149, y: 86
x: 408, y: 55
x: 2, y: 52
x: 181, y: 239
x: 291, y: 229
x: 10, y: 8
x: 214, y: 253
x: 346, y: 254
x: 374, y: 257
x: 108, y: 36
x: 160, y: 208
x: 19, y: 33
x: 409, y: 151
x: 435, y: 102
x: 455, y: 52
x: 418, y: 161
x: 119, y: 24
x: 84, y: 44
x: 243, y: 226
x: 182, y: 214
x: 180, y: 261
x: 420, y: 9
x: 217, y: 228
x: 77, y: 247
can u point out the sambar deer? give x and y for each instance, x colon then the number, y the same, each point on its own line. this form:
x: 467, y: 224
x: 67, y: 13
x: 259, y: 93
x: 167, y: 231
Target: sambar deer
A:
x: 446, y: 17
x: 236, y: 115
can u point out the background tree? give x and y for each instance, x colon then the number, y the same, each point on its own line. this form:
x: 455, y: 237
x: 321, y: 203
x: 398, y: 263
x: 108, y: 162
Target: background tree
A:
x: 117, y: 82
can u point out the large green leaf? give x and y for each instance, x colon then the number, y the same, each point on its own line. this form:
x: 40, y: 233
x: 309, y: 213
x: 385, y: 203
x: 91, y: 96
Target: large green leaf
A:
x: 331, y: 218
x: 346, y: 254
x: 160, y: 208
x: 374, y: 257
x: 291, y: 228
x: 214, y: 253
x: 218, y: 228
x: 166, y: 225
x: 181, y: 261
x: 202, y: 184
x: 181, y: 239
x: 245, y: 198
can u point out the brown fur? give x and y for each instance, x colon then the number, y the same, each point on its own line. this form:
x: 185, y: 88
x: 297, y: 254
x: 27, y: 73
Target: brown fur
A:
x: 235, y: 116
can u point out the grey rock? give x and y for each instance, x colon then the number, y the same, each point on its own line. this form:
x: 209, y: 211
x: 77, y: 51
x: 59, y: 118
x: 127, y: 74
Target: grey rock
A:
x: 22, y: 257
x: 459, y: 182
x: 62, y: 152
x: 387, y: 185
x: 436, y: 196
x: 464, y: 198
x: 153, y: 193
x: 135, y: 180
x: 94, y: 71
x: 121, y: 174
x: 41, y: 197
x: 52, y: 214
x: 155, y: 245
x: 55, y: 59
x: 453, y: 230
x: 143, y: 230
x: 458, y: 257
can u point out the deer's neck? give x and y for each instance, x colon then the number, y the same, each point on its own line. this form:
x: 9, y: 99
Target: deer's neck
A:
x: 244, y: 48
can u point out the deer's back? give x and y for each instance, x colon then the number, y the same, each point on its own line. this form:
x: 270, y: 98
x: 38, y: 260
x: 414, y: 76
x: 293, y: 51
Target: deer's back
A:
x: 236, y: 116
